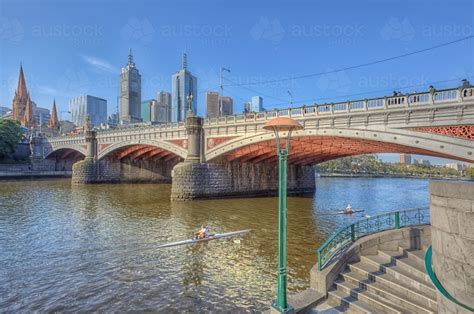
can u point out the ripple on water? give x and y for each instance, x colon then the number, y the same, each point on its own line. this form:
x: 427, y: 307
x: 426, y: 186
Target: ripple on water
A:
x: 93, y: 248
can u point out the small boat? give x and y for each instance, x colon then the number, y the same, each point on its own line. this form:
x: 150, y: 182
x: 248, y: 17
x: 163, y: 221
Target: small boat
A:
x: 342, y: 212
x: 211, y: 237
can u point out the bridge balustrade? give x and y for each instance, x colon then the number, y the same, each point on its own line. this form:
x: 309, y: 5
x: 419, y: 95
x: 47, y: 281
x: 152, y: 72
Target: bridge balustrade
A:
x: 324, y: 109
x: 445, y: 95
x: 375, y: 103
x: 396, y: 101
x: 356, y: 105
x: 419, y: 99
x: 339, y: 107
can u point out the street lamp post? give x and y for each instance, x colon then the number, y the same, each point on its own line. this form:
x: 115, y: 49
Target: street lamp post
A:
x: 278, y: 125
x: 189, y: 98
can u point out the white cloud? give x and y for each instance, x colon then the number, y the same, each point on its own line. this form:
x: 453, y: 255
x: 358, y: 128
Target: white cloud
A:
x: 100, y: 64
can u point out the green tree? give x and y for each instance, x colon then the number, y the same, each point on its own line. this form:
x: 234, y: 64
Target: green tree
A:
x: 10, y: 134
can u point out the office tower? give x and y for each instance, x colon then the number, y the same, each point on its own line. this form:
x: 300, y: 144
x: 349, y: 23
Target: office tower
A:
x: 130, y: 92
x: 146, y: 110
x: 161, y: 108
x: 86, y: 105
x: 183, y: 84
x: 256, y: 104
x: 227, y: 106
x: 247, y: 106
x: 405, y: 159
x: 212, y: 104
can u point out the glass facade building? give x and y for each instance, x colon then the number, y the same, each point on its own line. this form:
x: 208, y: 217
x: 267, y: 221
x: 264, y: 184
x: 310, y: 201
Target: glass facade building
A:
x: 161, y: 108
x: 183, y: 84
x: 87, y: 105
x: 256, y: 105
x: 146, y: 110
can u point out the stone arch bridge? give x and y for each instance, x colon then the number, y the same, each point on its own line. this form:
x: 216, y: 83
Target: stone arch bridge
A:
x: 234, y: 155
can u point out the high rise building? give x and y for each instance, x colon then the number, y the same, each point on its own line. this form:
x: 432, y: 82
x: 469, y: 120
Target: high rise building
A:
x: 247, y: 106
x: 146, y: 110
x: 183, y: 85
x: 161, y: 108
x: 405, y: 159
x: 212, y: 104
x: 256, y: 104
x: 130, y: 92
x: 227, y: 106
x: 87, y: 105
x: 42, y: 115
x: 21, y: 101
x: 4, y: 111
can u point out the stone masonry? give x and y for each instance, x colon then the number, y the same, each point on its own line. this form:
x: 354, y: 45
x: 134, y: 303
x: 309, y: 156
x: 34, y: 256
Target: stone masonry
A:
x: 452, y: 221
x: 208, y: 180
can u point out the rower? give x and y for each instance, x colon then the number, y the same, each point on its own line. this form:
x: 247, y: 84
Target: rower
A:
x: 348, y: 209
x: 202, y: 233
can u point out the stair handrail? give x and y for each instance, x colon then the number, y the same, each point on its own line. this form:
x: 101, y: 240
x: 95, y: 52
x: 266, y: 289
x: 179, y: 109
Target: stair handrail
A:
x: 350, y: 233
x: 437, y: 283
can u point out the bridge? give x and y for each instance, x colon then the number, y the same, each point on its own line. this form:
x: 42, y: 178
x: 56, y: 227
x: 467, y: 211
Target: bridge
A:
x: 436, y: 123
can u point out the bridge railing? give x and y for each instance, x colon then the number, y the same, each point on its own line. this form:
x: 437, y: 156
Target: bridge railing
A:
x: 397, y: 101
x: 345, y: 236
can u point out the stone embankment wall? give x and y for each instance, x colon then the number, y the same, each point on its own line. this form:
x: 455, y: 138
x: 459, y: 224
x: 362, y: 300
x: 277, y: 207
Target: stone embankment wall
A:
x: 452, y: 229
x: 108, y: 171
x: 214, y: 180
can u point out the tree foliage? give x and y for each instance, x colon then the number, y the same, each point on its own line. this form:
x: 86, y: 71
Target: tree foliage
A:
x: 370, y: 164
x: 10, y: 134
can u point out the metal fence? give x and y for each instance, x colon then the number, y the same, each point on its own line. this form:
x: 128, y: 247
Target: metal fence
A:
x: 348, y: 234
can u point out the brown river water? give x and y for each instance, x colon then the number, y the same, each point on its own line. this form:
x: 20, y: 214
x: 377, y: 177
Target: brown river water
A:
x: 92, y: 248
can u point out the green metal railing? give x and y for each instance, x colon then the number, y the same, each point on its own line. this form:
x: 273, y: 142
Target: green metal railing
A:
x: 437, y: 283
x: 342, y: 238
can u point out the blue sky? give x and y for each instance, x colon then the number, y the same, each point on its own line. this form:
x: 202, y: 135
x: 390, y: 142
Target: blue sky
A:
x: 69, y: 48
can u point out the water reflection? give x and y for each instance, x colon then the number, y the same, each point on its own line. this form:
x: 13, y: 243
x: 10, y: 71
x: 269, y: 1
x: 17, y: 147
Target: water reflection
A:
x: 92, y: 248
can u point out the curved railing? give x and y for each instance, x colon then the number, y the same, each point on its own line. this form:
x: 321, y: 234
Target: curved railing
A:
x: 348, y: 234
x: 437, y: 283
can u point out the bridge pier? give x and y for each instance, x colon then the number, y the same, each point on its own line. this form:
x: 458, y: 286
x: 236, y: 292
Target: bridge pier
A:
x: 196, y: 179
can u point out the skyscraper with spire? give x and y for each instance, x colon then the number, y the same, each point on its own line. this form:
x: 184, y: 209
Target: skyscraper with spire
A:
x: 22, y: 103
x: 183, y: 84
x: 130, y: 93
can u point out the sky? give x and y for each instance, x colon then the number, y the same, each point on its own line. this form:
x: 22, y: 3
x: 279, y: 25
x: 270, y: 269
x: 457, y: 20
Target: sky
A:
x: 71, y: 48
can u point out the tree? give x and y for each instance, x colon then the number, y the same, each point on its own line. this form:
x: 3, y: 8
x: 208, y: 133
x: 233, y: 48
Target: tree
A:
x: 10, y: 134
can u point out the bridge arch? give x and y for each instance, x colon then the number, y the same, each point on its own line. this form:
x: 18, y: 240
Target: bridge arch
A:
x: 68, y: 149
x: 311, y: 146
x: 158, y: 145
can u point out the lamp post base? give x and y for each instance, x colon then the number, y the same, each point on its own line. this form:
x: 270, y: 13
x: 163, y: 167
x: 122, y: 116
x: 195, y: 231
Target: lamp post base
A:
x: 275, y: 309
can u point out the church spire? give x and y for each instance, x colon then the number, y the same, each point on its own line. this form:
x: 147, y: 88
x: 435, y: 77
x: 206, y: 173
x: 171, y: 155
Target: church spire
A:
x: 53, y: 122
x: 21, y: 89
x: 29, y: 117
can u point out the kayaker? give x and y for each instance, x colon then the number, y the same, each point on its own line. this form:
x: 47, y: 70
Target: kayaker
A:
x: 202, y: 233
x: 348, y: 209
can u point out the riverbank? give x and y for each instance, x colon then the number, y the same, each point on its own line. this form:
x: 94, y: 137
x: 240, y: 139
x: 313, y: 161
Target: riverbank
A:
x: 371, y: 175
x: 29, y: 175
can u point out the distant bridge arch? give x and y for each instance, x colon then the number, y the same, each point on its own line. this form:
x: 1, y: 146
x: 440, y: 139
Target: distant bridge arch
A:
x: 142, y: 144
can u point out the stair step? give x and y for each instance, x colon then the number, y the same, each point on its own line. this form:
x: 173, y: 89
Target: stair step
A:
x: 406, y: 263
x: 380, y: 303
x: 348, y: 303
x: 395, y: 281
x: 402, y: 297
x: 417, y: 255
x: 399, y: 270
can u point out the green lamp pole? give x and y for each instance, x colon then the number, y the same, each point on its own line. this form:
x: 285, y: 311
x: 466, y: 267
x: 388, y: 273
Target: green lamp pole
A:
x: 278, y: 125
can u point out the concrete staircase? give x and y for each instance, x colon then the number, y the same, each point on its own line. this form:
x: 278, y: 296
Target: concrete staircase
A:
x: 389, y: 282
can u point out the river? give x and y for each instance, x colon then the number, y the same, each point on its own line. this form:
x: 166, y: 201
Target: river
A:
x: 91, y: 248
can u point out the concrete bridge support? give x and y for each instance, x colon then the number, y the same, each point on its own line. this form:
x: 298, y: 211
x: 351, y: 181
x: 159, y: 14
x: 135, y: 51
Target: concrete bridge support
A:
x: 452, y: 232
